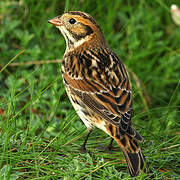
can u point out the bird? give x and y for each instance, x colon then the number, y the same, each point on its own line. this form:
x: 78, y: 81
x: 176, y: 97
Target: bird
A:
x: 98, y: 85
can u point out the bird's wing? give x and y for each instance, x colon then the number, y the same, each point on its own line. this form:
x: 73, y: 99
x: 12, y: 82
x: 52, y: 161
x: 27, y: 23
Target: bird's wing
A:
x: 101, y: 81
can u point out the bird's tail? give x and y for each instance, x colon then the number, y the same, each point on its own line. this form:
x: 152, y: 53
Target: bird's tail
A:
x: 128, y: 142
x: 132, y: 152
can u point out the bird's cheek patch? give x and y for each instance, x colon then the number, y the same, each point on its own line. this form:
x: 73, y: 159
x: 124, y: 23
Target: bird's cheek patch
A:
x: 81, y: 31
x: 88, y: 30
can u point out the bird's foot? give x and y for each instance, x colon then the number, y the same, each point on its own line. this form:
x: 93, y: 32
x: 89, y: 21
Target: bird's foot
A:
x: 109, y: 148
x: 83, y: 149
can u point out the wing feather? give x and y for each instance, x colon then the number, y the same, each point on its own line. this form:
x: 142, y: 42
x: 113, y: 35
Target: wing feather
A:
x: 104, y: 87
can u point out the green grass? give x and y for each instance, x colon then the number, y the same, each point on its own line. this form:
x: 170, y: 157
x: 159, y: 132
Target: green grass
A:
x: 39, y: 131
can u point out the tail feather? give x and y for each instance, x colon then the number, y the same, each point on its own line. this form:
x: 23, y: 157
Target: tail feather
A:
x: 135, y: 162
x: 132, y: 153
x: 128, y: 142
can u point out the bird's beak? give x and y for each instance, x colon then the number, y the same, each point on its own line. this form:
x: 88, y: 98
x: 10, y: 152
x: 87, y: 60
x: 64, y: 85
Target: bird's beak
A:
x: 56, y: 21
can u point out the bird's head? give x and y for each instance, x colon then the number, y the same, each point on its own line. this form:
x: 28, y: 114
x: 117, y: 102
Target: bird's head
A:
x: 78, y: 28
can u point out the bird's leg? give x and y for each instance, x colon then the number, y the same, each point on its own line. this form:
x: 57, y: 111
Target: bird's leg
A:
x: 83, y: 147
x: 109, y: 147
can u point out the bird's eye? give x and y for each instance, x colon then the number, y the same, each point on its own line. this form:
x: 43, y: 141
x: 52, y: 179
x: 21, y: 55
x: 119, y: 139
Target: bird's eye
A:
x: 72, y: 21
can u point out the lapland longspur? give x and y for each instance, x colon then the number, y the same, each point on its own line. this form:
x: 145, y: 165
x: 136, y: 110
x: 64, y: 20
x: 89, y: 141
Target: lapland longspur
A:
x: 98, y: 85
